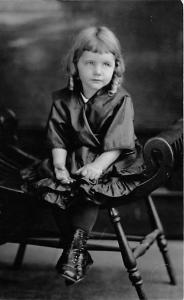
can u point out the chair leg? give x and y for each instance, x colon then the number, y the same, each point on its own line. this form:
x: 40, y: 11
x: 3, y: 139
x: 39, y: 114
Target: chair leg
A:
x: 127, y: 254
x: 19, y: 256
x: 161, y: 239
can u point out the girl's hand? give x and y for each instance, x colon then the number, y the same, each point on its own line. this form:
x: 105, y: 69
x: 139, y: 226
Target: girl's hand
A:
x: 90, y: 171
x: 63, y: 175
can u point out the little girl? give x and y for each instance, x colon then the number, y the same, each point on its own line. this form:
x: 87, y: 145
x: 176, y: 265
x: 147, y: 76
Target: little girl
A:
x: 95, y: 155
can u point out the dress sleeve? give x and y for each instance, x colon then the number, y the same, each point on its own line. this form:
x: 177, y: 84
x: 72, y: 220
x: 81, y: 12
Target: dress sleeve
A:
x: 120, y: 133
x: 58, y: 126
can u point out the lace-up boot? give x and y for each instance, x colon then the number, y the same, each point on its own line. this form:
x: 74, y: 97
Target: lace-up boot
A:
x: 75, y: 259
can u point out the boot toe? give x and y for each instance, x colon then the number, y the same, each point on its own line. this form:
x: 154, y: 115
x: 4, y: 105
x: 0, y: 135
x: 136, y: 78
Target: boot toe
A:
x: 70, y: 275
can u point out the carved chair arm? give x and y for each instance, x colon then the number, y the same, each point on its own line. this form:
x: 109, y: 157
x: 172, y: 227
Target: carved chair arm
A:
x: 165, y: 150
x: 162, y: 154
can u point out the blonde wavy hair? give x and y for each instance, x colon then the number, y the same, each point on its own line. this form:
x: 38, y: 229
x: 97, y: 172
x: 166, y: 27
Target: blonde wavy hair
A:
x: 100, y: 40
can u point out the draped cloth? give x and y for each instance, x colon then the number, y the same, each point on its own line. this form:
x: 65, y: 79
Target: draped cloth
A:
x: 86, y: 130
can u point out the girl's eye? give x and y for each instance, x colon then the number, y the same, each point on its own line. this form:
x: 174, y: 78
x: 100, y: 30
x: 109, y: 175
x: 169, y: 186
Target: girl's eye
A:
x: 107, y: 64
x: 90, y: 62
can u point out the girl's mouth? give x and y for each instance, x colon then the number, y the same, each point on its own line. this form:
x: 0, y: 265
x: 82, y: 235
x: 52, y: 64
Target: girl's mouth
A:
x: 97, y: 80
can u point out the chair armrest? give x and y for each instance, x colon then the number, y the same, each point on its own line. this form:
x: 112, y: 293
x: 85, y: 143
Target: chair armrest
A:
x: 165, y: 150
x: 162, y: 154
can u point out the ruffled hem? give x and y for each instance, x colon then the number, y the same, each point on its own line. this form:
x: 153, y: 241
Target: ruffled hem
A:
x: 116, y: 183
x: 100, y: 192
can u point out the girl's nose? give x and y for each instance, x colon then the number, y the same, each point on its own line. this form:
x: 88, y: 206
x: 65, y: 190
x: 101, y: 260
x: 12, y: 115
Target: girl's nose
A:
x: 97, y: 69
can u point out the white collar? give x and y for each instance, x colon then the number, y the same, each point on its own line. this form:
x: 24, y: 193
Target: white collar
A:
x: 84, y: 98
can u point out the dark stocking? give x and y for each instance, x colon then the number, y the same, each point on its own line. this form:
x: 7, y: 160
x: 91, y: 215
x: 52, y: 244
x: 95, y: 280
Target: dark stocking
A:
x: 80, y: 216
x: 84, y: 216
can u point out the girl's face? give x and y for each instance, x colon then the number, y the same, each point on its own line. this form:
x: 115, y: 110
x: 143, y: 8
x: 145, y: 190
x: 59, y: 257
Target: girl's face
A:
x: 95, y: 71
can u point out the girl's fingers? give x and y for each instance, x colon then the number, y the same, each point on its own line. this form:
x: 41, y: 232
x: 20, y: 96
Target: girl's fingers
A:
x: 85, y: 173
x: 59, y: 177
x: 78, y: 171
x: 82, y: 172
x: 96, y: 177
x: 88, y: 173
x: 91, y: 176
x: 65, y: 181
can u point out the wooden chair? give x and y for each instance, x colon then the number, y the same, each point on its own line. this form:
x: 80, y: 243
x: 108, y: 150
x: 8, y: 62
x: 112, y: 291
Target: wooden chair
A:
x: 162, y: 154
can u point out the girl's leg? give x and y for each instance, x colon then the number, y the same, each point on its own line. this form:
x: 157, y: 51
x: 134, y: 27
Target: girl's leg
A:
x: 63, y: 222
x: 84, y: 216
x: 75, y: 258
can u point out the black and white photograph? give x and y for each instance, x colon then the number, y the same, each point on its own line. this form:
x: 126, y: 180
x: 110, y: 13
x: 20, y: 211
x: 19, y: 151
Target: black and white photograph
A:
x: 91, y: 150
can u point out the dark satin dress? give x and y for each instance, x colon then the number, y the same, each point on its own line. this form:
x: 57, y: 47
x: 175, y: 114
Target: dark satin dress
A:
x: 86, y: 130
